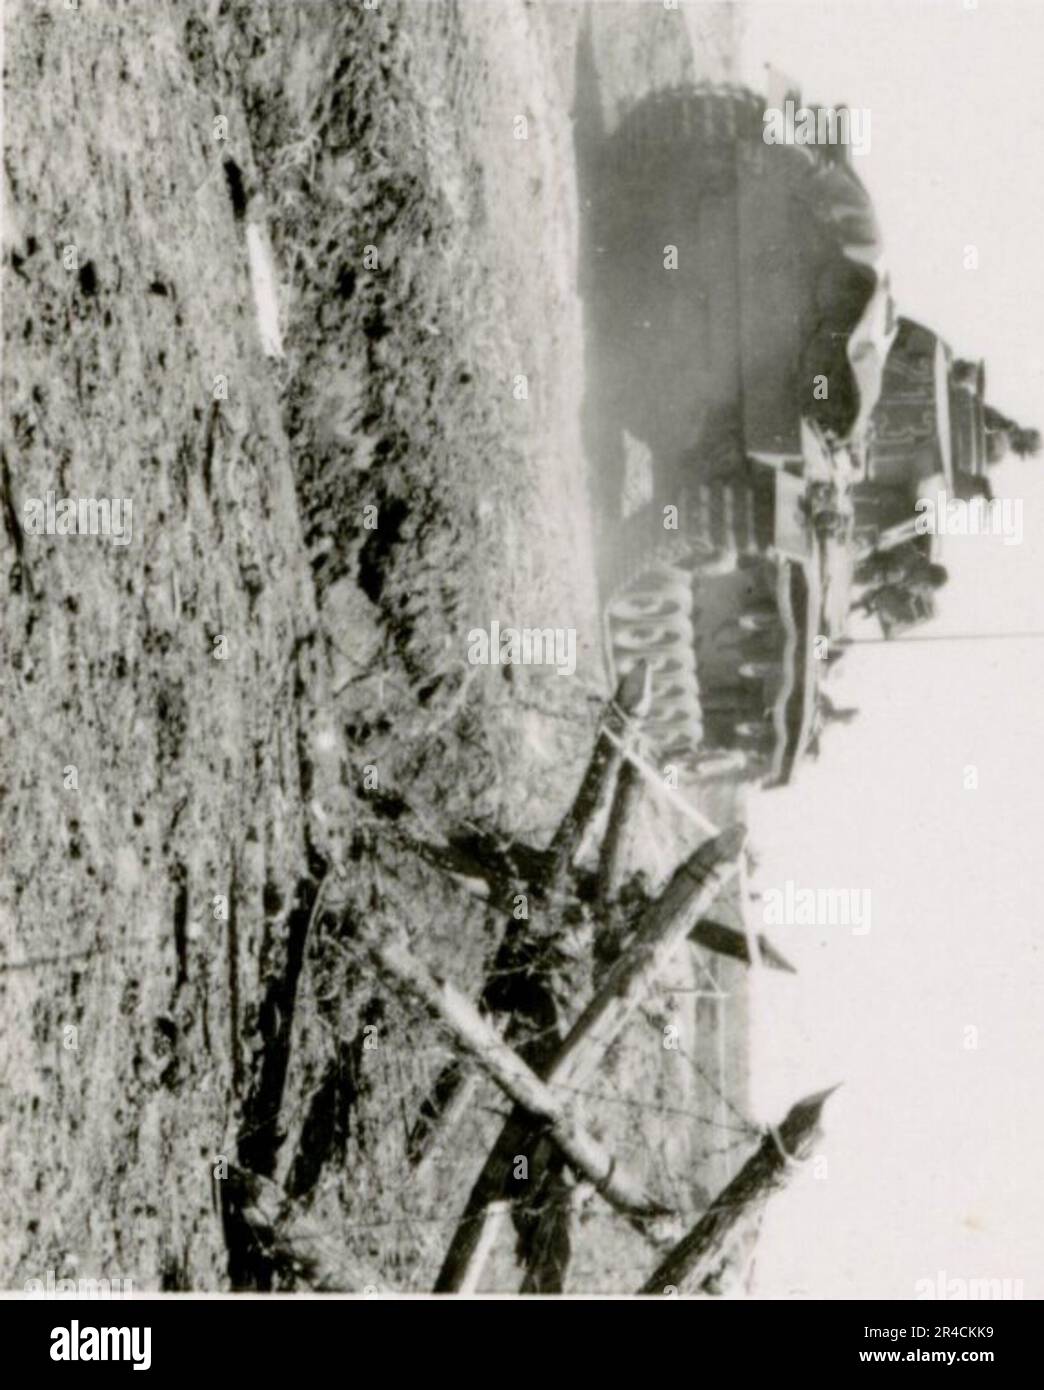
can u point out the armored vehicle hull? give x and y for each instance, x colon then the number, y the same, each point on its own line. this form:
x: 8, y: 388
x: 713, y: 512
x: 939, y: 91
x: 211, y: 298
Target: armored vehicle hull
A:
x: 737, y: 311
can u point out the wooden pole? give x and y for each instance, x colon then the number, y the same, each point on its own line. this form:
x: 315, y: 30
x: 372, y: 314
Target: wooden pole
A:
x: 698, y: 1256
x: 496, y: 875
x: 474, y: 1035
x: 665, y: 922
x: 668, y: 920
x: 614, y: 847
x: 544, y: 1243
x: 497, y: 1215
x: 631, y: 698
x: 727, y: 941
x: 442, y: 1111
x: 547, y: 1224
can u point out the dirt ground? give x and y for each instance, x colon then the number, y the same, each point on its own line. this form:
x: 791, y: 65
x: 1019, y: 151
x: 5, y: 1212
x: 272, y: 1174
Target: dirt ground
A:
x: 192, y: 722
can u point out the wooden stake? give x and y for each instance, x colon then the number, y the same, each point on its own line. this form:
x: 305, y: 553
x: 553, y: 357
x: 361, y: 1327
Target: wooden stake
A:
x: 497, y: 1214
x: 495, y: 874
x: 632, y: 696
x: 670, y: 918
x: 614, y: 847
x: 445, y: 1106
x: 665, y: 922
x: 699, y: 1255
x: 474, y: 1035
x: 727, y: 941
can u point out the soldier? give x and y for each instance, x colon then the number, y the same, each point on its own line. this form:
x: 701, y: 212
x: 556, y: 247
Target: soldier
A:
x: 898, y: 606
x: 906, y: 564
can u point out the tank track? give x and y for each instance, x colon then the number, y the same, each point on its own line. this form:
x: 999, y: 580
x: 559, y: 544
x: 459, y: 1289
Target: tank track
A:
x: 714, y: 113
x: 651, y: 621
x: 649, y: 616
x: 728, y: 122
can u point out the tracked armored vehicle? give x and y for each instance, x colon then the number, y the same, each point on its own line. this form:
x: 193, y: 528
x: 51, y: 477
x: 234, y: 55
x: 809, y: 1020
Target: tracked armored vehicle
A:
x: 738, y: 321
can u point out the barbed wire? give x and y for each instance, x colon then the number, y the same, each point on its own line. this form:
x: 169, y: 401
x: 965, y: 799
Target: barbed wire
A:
x: 745, y: 1120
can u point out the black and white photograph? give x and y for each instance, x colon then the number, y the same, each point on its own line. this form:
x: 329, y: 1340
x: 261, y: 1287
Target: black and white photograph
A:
x: 521, y: 651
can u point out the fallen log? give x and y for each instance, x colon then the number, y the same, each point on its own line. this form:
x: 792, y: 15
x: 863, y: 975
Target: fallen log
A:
x: 698, y: 1256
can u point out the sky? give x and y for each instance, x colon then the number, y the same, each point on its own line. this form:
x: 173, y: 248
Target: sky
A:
x: 956, y: 157
x: 933, y: 1019
x: 933, y: 1141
